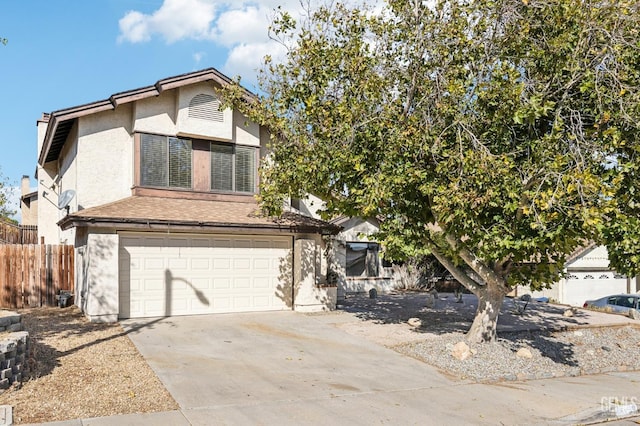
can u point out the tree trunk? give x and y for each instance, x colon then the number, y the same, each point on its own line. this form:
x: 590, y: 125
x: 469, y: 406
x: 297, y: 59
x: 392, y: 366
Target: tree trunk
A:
x: 484, y: 325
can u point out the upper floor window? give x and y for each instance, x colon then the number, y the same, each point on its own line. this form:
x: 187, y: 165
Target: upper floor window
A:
x: 233, y: 168
x: 165, y: 161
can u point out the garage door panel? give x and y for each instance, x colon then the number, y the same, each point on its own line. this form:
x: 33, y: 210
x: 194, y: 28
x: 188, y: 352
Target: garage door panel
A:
x: 242, y: 264
x: 242, y: 303
x: 198, y: 264
x: 261, y: 283
x: 178, y: 242
x: 242, y: 243
x: 242, y: 283
x: 261, y: 301
x: 152, y: 285
x: 156, y: 263
x: 224, y: 243
x: 178, y: 264
x: 133, y: 286
x: 200, y: 274
x: 261, y: 264
x: 224, y: 263
x: 221, y: 283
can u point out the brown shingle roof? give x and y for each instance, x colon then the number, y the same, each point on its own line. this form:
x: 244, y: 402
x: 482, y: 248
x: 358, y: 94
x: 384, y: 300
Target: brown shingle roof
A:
x: 157, y: 212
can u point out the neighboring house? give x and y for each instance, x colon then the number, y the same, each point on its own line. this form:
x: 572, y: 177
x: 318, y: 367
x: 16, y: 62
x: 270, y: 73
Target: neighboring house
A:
x: 160, y: 188
x: 588, y: 277
x: 28, y: 203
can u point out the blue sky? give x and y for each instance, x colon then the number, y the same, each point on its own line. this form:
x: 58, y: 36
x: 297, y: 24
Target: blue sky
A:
x: 66, y: 53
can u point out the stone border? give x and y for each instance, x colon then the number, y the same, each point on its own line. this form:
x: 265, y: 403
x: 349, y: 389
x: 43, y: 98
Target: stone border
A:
x: 14, y: 349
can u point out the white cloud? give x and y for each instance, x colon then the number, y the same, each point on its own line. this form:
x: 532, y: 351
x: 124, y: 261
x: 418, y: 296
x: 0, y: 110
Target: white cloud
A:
x: 175, y: 20
x: 246, y: 59
x: 197, y: 57
x: 246, y: 26
x: 240, y: 26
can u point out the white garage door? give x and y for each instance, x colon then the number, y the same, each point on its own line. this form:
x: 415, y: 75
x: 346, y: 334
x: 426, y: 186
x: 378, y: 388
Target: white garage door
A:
x: 582, y: 286
x: 179, y: 274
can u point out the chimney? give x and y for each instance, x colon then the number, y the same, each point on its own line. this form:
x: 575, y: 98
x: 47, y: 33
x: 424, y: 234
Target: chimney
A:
x: 25, y: 185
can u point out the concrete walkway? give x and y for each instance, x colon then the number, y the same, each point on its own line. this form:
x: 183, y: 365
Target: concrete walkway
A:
x: 288, y: 368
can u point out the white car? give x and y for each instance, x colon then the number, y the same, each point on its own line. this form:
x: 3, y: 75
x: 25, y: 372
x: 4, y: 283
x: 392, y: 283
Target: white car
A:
x: 616, y: 303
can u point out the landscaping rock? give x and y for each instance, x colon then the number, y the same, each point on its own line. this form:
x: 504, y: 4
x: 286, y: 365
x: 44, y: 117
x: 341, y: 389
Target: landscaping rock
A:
x: 524, y: 353
x: 568, y: 313
x: 634, y: 314
x: 431, y: 301
x: 415, y: 322
x: 461, y: 351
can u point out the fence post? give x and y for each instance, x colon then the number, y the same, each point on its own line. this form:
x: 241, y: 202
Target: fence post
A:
x: 4, y: 271
x: 42, y: 262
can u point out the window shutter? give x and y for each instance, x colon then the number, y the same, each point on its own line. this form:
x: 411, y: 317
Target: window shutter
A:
x: 179, y: 163
x: 221, y: 167
x: 153, y: 160
x: 245, y: 169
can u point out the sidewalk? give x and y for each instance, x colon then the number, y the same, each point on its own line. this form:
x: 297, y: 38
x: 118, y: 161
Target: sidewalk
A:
x: 533, y: 402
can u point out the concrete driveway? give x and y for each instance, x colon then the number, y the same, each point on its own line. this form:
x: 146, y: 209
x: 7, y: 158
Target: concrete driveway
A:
x: 291, y: 368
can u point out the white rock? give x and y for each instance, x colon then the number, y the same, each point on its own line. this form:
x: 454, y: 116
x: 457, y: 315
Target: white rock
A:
x: 414, y: 322
x: 578, y: 333
x: 461, y: 351
x: 524, y: 353
x: 568, y: 313
x: 634, y: 314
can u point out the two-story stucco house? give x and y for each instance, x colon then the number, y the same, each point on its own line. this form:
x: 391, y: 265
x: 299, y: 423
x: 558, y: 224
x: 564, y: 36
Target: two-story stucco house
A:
x: 160, y: 186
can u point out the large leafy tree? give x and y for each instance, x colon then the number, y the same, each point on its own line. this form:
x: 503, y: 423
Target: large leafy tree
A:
x: 498, y: 136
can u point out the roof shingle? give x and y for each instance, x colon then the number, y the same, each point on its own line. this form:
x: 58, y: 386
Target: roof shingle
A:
x: 145, y: 210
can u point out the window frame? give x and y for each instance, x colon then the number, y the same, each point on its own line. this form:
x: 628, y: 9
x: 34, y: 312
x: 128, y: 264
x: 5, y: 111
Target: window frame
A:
x: 371, y: 259
x: 251, y: 177
x: 167, y: 162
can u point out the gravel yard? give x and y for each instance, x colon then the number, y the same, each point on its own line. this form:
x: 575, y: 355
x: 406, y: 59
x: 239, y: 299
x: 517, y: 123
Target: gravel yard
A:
x: 80, y: 369
x: 585, y: 343
x: 567, y: 353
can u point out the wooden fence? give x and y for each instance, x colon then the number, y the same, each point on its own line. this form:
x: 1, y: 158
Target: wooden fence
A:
x: 32, y: 275
x: 18, y: 234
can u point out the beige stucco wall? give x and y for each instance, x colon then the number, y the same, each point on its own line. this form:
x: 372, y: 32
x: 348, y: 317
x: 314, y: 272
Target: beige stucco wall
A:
x: 48, y: 213
x: 97, y: 281
x: 156, y: 115
x: 246, y: 132
x: 203, y: 128
x: 308, y: 295
x: 104, y: 170
x: 96, y: 163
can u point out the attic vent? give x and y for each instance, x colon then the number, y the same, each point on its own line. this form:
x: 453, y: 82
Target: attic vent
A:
x: 205, y: 107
